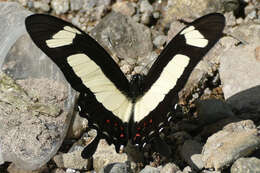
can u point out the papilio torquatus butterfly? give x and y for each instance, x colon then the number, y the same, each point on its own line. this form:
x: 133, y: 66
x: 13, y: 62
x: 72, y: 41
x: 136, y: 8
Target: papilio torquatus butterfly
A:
x: 120, y: 110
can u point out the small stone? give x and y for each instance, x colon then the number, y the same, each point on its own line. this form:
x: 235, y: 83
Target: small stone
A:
x: 145, y: 6
x: 23, y: 2
x: 115, y: 168
x: 13, y: 169
x: 60, y: 6
x: 69, y: 170
x: 170, y: 168
x: 41, y: 5
x: 187, y: 169
x: 190, y: 152
x: 76, y: 4
x: 212, y: 110
x: 252, y: 14
x: 124, y: 7
x: 71, y: 160
x: 106, y: 154
x: 156, y: 14
x: 145, y: 19
x: 58, y: 170
x: 235, y: 140
x: 149, y: 169
x: 159, y: 40
x: 246, y: 165
x: 77, y: 127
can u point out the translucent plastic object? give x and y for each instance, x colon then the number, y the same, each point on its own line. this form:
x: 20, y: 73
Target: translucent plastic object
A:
x: 22, y: 60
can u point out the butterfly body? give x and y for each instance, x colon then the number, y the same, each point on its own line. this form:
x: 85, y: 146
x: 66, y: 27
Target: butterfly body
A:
x: 118, y: 109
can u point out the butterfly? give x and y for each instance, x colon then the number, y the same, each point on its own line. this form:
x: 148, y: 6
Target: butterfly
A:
x: 121, y: 110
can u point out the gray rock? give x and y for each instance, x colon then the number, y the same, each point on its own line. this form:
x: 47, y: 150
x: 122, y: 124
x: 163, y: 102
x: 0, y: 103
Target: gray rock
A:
x: 123, y: 36
x: 149, y: 169
x: 29, y: 137
x: 190, y: 152
x: 179, y: 137
x: 23, y: 2
x: 105, y: 155
x: 13, y: 169
x: 159, y: 40
x: 210, y: 129
x: 238, y: 64
x: 76, y: 4
x: 212, y: 110
x: 246, y: 165
x: 58, y: 170
x: 71, y: 160
x: 210, y: 171
x: 41, y: 5
x: 124, y: 7
x: 146, y: 63
x: 69, y: 170
x: 116, y: 168
x: 185, y: 8
x: 246, y: 103
x: 60, y: 6
x: 145, y: 7
x: 187, y: 169
x: 234, y: 141
x: 170, y: 168
x: 156, y: 14
x: 146, y: 18
x: 77, y: 127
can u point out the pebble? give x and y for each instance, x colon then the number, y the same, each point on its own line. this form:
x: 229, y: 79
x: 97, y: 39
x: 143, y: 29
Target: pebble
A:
x: 170, y: 168
x: 116, y: 168
x: 235, y: 140
x: 77, y: 127
x: 76, y: 4
x: 149, y: 169
x: 71, y: 160
x: 146, y: 7
x: 124, y: 7
x: 243, y: 165
x: 60, y: 6
x: 41, y: 5
x: 190, y: 152
x: 159, y: 40
x: 146, y: 18
x: 13, y: 169
x: 212, y: 110
x: 106, y: 154
x: 69, y: 170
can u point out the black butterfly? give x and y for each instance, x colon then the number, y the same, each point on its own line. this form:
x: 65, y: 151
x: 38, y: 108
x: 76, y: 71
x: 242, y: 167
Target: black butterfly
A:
x: 118, y: 109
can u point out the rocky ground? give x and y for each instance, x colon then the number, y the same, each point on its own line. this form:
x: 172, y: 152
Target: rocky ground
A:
x: 219, y: 128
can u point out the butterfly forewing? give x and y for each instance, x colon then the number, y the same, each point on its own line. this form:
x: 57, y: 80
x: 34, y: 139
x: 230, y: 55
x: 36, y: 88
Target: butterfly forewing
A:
x: 90, y: 70
x: 170, y: 72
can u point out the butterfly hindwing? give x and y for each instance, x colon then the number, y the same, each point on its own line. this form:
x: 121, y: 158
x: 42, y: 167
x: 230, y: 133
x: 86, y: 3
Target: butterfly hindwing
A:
x: 170, y: 72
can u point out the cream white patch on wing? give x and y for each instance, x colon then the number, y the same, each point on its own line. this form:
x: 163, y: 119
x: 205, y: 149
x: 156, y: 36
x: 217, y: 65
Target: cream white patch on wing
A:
x: 167, y: 80
x: 63, y: 37
x: 193, y: 37
x: 104, y: 90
